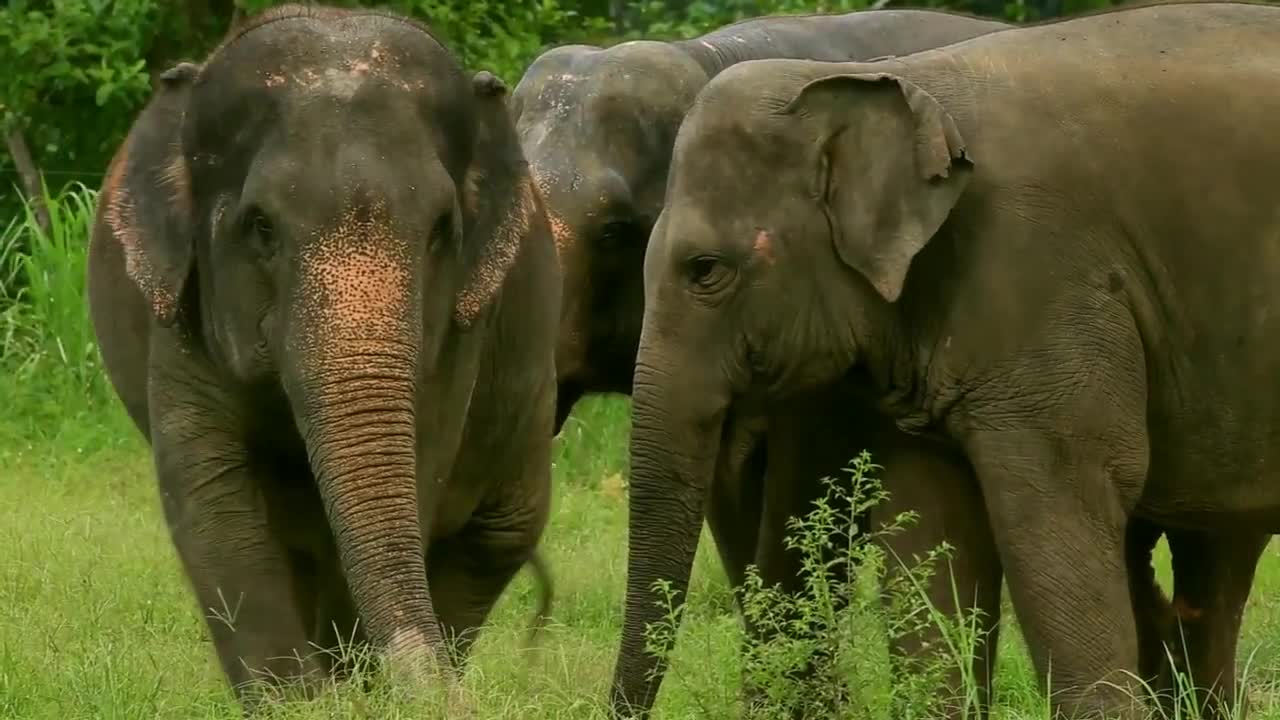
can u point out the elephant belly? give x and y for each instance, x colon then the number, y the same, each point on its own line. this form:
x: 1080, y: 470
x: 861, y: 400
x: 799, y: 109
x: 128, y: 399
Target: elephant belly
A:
x: 1215, y: 462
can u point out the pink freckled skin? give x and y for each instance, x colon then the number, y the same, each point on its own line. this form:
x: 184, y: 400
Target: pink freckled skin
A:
x: 355, y: 282
x: 763, y: 246
x: 560, y: 232
x: 121, y: 218
x: 498, y: 257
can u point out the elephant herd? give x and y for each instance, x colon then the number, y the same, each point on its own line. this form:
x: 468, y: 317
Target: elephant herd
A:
x: 349, y: 292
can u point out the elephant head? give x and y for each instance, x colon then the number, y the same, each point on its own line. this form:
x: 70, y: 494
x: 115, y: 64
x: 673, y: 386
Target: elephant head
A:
x: 799, y: 194
x: 324, y: 209
x: 597, y: 126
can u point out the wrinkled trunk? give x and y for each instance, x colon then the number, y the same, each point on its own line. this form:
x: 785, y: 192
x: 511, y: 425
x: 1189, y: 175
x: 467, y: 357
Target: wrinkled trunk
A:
x: 675, y: 436
x: 356, y: 412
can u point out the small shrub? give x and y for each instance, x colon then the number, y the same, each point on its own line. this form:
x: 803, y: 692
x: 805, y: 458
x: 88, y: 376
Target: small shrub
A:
x: 822, y: 652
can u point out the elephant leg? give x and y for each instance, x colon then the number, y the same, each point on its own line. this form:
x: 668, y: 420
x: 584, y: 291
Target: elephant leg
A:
x: 256, y: 597
x: 337, y: 628
x: 1152, y: 612
x: 736, y: 502
x: 469, y: 570
x: 808, y: 439
x: 936, y: 482
x: 1059, y: 511
x: 1213, y: 574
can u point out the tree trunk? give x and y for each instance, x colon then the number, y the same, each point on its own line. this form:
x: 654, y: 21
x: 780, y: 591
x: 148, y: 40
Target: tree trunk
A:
x: 32, y: 183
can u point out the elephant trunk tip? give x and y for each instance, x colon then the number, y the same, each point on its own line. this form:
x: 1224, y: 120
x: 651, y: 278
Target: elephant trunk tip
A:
x: 415, y: 655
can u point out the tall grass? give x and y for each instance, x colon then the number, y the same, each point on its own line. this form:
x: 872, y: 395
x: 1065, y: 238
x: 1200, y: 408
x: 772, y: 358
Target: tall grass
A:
x: 51, y: 375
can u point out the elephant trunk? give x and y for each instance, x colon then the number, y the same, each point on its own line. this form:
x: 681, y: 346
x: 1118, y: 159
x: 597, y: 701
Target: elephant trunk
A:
x: 360, y: 433
x: 674, y: 443
x: 350, y: 364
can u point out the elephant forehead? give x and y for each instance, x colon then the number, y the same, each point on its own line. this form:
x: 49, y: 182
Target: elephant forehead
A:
x: 343, y: 73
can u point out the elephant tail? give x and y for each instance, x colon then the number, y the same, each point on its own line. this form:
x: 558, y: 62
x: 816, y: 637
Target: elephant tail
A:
x: 546, y: 595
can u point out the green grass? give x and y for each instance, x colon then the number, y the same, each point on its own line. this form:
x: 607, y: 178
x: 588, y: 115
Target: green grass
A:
x: 96, y: 620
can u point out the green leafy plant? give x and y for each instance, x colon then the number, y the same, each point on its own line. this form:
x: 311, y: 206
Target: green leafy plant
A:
x: 821, y: 652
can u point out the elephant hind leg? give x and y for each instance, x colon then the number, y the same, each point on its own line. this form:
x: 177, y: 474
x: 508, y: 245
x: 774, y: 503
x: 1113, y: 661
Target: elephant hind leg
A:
x: 1152, y: 611
x: 1213, y: 574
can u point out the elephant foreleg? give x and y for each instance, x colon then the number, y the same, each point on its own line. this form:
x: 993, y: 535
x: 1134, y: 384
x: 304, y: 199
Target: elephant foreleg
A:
x: 468, y: 571
x: 935, y: 481
x: 256, y: 600
x: 1059, y: 517
x: 338, y: 632
x: 1152, y: 611
x: 736, y: 499
x: 807, y: 441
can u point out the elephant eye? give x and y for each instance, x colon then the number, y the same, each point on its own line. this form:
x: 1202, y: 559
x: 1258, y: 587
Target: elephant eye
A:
x: 707, y: 273
x: 616, y: 234
x: 442, y: 231
x: 260, y: 232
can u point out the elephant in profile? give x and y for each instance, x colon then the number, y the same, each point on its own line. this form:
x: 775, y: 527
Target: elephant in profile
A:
x: 1041, y: 309
x: 326, y: 292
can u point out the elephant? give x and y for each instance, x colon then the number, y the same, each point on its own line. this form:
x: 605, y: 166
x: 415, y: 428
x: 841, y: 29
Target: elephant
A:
x: 326, y: 292
x: 615, y: 148
x: 1037, y: 307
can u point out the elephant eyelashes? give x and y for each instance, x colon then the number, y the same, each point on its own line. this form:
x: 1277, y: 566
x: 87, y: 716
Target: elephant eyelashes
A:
x: 707, y: 274
x: 260, y: 232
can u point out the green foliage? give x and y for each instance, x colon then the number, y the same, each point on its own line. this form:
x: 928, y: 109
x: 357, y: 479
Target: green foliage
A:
x: 659, y: 19
x: 501, y: 36
x: 49, y: 361
x: 74, y: 55
x: 68, y: 61
x: 821, y: 652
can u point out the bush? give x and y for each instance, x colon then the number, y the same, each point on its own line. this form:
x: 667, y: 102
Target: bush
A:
x: 822, y: 652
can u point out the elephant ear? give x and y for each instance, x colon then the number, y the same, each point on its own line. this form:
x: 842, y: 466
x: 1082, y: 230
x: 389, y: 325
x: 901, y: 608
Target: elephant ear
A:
x: 144, y: 206
x: 892, y: 167
x: 498, y: 197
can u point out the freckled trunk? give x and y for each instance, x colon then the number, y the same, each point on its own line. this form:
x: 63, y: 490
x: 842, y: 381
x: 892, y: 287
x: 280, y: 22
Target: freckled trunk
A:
x: 356, y: 412
x: 675, y: 436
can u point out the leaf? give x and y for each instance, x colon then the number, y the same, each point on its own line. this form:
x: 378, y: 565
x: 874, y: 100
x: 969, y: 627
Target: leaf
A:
x: 104, y: 93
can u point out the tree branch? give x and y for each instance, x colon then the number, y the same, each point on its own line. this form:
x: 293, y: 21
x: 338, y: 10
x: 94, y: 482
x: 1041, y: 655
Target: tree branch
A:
x: 30, y: 174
